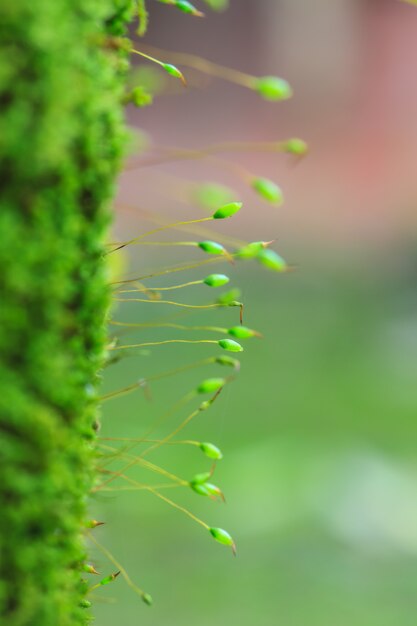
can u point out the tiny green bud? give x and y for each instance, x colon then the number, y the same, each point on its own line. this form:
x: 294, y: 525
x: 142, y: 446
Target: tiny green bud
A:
x: 273, y: 88
x: 173, y: 71
x: 90, y: 569
x: 229, y: 296
x: 227, y: 210
x: 216, y: 280
x: 204, y: 405
x: 211, y: 384
x: 272, y: 260
x: 296, y: 146
x: 230, y: 345
x: 222, y: 536
x: 211, y: 450
x: 228, y: 360
x: 242, y: 332
x: 147, y: 599
x: 199, y: 479
x: 85, y: 604
x: 211, y: 247
x: 268, y: 190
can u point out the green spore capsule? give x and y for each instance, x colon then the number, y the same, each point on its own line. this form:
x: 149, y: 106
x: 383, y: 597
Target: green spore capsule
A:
x: 215, y: 491
x: 222, y: 536
x: 211, y: 451
x: 147, y: 599
x: 273, y: 88
x: 228, y: 361
x: 210, y: 385
x: 229, y: 296
x: 187, y: 7
x: 295, y: 146
x: 204, y: 405
x: 209, y: 195
x: 268, y: 190
x: 211, y: 247
x: 230, y: 345
x: 251, y: 250
x: 217, y: 5
x: 227, y: 210
x: 272, y: 261
x: 109, y: 579
x: 242, y: 332
x: 201, y: 489
x: 199, y: 479
x: 216, y: 280
x: 174, y: 71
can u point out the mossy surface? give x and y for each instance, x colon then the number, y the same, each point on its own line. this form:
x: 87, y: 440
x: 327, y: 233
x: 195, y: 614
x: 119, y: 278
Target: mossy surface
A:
x: 61, y: 139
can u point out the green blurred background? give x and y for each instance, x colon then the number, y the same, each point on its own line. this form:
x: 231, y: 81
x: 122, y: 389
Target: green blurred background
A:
x: 318, y: 429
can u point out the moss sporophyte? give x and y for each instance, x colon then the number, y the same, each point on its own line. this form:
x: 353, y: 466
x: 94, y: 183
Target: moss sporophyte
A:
x: 56, y: 271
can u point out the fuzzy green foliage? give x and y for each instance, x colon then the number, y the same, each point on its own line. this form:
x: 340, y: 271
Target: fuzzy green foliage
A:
x: 61, y: 138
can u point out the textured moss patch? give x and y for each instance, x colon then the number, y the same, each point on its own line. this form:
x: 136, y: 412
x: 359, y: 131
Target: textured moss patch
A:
x: 61, y: 137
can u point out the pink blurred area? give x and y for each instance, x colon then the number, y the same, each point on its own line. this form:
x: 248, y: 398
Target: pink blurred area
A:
x: 352, y: 66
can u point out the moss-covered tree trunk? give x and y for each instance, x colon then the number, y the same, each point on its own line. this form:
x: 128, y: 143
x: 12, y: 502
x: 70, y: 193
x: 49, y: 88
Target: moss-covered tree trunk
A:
x: 60, y: 142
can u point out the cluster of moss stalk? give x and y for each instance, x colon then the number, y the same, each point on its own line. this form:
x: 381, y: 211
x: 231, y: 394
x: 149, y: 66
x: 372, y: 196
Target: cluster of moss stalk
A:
x: 61, y: 138
x: 63, y: 69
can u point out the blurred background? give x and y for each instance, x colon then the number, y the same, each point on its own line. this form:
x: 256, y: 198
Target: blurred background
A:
x: 318, y: 430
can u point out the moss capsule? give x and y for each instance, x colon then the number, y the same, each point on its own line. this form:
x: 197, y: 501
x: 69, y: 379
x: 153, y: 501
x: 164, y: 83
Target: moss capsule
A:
x: 272, y: 260
x: 222, y: 536
x: 251, y: 250
x: 273, y: 88
x: 268, y: 190
x: 230, y: 345
x: 210, y: 450
x: 187, y: 7
x: 242, y: 332
x: 296, y: 146
x: 229, y: 296
x: 211, y: 247
x: 228, y: 361
x: 174, y: 71
x: 199, y: 479
x: 227, y: 210
x: 147, y: 599
x: 216, y: 280
x: 210, y: 385
x: 209, y: 195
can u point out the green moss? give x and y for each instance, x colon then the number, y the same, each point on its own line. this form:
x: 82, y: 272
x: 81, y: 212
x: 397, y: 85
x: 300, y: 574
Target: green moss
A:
x: 61, y: 138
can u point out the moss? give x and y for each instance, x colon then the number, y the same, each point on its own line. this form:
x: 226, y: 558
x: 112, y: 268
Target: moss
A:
x: 61, y: 139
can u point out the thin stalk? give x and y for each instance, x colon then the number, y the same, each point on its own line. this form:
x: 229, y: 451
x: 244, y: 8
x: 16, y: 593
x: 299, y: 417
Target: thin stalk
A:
x: 143, y: 381
x: 182, y: 267
x: 181, y: 426
x: 206, y: 233
x: 160, y: 343
x: 144, y: 289
x: 167, y: 500
x: 158, y: 230
x: 145, y: 597
x: 207, y: 67
x: 146, y: 464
